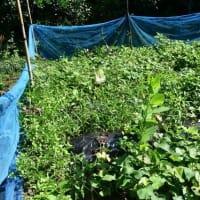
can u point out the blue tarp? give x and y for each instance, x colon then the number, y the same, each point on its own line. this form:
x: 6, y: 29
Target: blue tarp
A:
x: 9, y: 137
x: 52, y: 42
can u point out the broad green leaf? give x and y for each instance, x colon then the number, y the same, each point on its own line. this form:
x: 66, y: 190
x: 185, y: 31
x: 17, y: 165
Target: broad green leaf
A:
x: 140, y: 173
x: 157, y: 99
x: 178, y: 172
x: 145, y: 158
x: 125, y: 182
x: 146, y: 192
x: 193, y: 130
x: 160, y: 109
x: 148, y: 133
x: 176, y: 157
x: 129, y: 169
x: 149, y: 113
x: 157, y: 181
x: 193, y: 152
x: 164, y: 146
x: 189, y: 173
x: 51, y: 197
x: 151, y: 122
x: 155, y: 84
x: 180, y: 151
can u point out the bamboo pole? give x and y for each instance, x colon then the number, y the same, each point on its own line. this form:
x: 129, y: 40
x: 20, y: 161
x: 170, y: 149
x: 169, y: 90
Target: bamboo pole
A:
x: 129, y: 26
x: 31, y: 22
x: 25, y: 42
x: 127, y: 7
x: 29, y: 11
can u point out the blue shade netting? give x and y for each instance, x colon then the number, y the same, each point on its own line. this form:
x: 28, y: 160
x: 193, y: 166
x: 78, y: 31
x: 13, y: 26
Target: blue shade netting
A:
x: 55, y: 41
x: 9, y: 138
x: 144, y: 29
x: 52, y: 42
x: 11, y: 189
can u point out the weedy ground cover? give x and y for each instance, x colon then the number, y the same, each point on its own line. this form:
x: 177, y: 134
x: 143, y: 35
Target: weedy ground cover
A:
x: 147, y: 94
x: 10, y: 69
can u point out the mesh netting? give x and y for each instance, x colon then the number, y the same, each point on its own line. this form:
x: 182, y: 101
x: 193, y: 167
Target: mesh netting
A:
x: 52, y: 42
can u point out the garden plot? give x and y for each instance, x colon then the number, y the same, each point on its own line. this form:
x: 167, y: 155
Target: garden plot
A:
x: 144, y: 94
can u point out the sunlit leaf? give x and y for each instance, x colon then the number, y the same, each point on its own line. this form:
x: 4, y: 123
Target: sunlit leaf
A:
x: 157, y: 99
x: 160, y: 109
x: 155, y: 83
x: 108, y: 177
x: 157, y: 181
x: 148, y: 133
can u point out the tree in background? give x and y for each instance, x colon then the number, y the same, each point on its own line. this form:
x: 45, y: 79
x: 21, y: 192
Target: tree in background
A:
x: 50, y: 12
x: 61, y: 12
x: 9, y: 24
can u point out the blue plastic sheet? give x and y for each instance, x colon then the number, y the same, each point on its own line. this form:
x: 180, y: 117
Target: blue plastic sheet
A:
x: 11, y: 189
x: 55, y: 41
x: 52, y: 42
x: 9, y: 137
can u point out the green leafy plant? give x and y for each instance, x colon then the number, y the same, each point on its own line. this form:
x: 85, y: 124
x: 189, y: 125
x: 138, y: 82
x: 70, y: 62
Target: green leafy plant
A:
x: 144, y: 94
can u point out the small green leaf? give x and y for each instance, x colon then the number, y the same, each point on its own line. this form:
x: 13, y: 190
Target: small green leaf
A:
x: 109, y: 177
x: 157, y: 99
x: 105, y: 192
x: 148, y: 133
x: 146, y: 192
x: 178, y: 172
x: 178, y: 198
x: 189, y: 173
x: 164, y: 146
x: 193, y: 152
x: 51, y: 197
x: 129, y: 169
x: 176, y: 158
x: 126, y: 181
x: 193, y: 130
x: 157, y: 181
x: 94, y: 183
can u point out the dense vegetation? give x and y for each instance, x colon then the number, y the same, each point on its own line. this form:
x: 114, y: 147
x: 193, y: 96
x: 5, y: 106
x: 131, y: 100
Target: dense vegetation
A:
x: 10, y: 69
x: 150, y: 95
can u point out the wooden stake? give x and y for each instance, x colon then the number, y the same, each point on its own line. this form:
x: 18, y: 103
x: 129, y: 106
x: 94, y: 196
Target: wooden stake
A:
x: 25, y: 42
x: 29, y: 11
x: 129, y: 26
x: 127, y: 7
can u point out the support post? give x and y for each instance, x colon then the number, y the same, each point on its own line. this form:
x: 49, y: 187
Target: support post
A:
x: 25, y: 42
x: 29, y: 11
x: 129, y: 26
x: 127, y: 7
